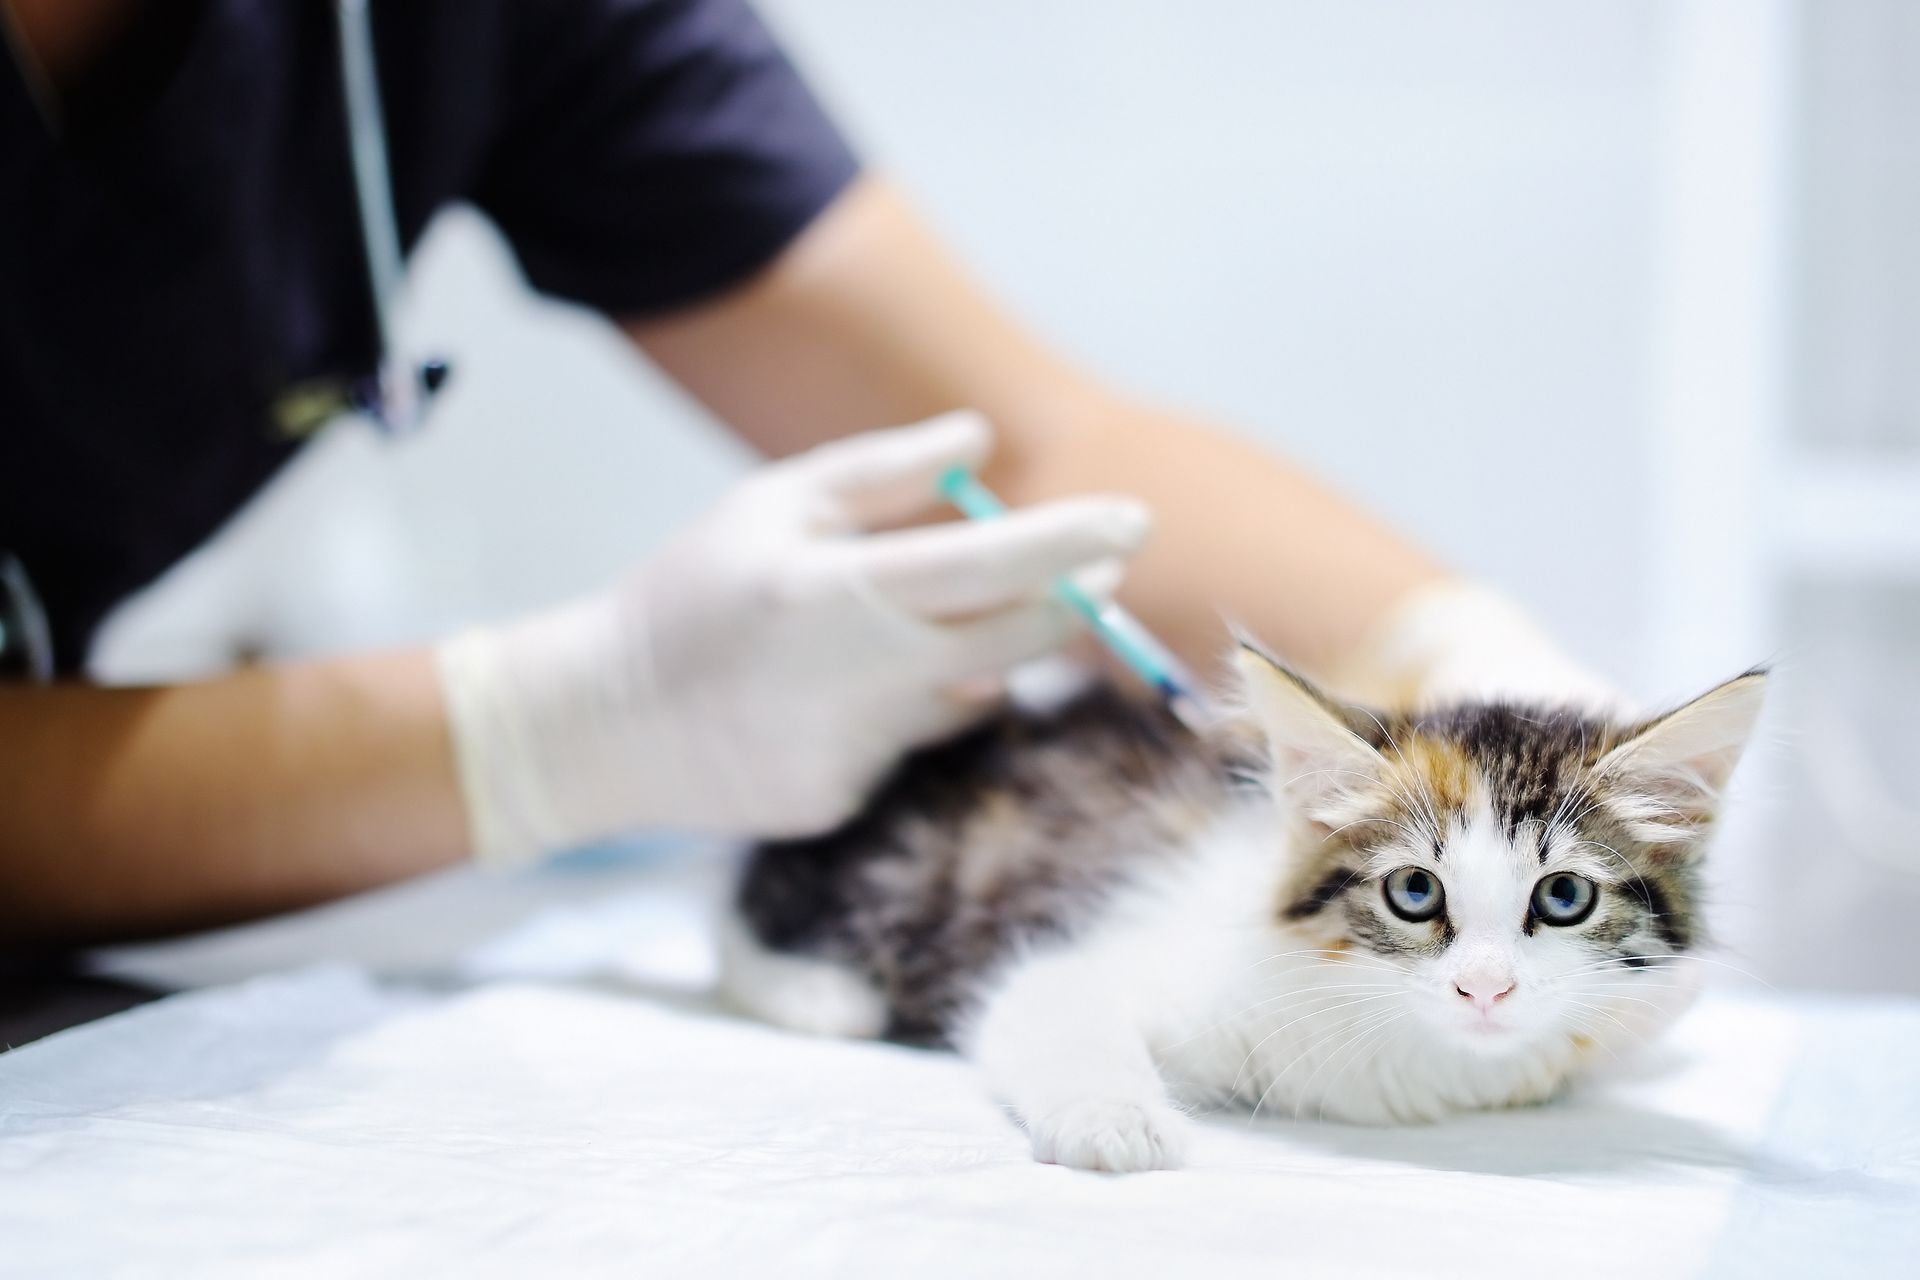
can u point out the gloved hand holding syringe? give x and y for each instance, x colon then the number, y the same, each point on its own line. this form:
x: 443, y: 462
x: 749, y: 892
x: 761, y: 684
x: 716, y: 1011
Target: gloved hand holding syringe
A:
x: 759, y: 673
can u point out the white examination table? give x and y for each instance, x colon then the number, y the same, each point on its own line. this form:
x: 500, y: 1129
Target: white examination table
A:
x: 544, y: 1090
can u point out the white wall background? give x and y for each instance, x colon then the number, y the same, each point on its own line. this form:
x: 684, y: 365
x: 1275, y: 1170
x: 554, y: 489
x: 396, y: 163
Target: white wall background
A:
x: 1417, y: 244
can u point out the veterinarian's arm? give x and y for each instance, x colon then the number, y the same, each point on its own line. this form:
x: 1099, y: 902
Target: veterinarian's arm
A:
x: 866, y: 320
x: 138, y: 811
x: 755, y: 676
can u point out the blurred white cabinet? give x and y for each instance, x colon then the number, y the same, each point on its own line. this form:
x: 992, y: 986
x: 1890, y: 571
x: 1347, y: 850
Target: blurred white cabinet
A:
x: 1786, y: 451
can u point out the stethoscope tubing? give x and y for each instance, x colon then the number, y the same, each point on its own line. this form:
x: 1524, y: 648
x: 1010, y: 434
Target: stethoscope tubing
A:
x: 26, y: 645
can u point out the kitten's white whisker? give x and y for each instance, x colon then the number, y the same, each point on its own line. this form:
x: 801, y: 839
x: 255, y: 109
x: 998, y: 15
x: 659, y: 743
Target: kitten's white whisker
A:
x: 1382, y: 1036
x: 1392, y: 822
x: 1599, y: 993
x: 1294, y: 1022
x: 1593, y: 1032
x: 1302, y: 995
x: 1619, y: 857
x: 1596, y: 802
x: 1675, y: 957
x: 1397, y: 792
x: 1285, y: 999
x: 1334, y: 956
x: 1329, y: 951
x: 1609, y: 1015
x: 1594, y: 966
x: 1281, y: 1074
x: 1324, y: 988
x: 1359, y: 1036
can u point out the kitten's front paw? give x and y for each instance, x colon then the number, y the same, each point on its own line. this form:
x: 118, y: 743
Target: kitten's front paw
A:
x: 1111, y: 1136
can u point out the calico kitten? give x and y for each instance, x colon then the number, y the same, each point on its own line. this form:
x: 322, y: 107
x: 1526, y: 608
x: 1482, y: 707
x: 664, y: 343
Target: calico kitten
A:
x: 1317, y: 910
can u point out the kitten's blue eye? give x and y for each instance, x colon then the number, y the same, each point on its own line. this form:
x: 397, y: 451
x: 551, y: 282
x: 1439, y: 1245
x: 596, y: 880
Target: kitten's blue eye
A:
x: 1414, y: 894
x: 1564, y: 898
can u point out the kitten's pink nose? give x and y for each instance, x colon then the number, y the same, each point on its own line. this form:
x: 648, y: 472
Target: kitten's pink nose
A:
x: 1485, y: 989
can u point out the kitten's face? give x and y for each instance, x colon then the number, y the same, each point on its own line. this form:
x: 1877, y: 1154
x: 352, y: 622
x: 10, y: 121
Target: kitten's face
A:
x: 1510, y: 922
x: 1516, y: 870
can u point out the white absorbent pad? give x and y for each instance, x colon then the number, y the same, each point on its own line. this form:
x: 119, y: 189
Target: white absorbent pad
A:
x: 323, y: 1124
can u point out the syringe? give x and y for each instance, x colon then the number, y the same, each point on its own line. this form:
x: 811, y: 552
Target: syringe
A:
x: 1120, y: 631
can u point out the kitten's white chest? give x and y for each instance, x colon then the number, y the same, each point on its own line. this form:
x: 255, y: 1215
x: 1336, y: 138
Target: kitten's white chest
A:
x: 1357, y: 1055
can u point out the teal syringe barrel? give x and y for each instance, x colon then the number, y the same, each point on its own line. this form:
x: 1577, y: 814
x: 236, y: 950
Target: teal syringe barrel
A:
x: 1122, y: 633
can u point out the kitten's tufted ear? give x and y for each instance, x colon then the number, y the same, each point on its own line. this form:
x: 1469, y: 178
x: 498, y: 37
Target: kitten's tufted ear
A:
x: 1671, y: 770
x: 1317, y: 756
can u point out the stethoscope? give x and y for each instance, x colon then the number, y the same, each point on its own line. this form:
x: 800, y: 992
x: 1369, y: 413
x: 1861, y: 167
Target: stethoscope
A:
x: 398, y: 396
x: 395, y: 399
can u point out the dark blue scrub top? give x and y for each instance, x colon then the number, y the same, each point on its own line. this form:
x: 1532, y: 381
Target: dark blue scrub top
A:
x: 166, y: 278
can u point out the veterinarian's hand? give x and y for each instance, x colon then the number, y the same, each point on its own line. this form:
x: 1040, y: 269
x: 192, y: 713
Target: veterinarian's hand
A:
x: 759, y: 674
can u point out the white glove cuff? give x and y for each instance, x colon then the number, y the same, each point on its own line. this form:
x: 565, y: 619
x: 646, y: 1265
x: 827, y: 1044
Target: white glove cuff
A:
x: 546, y: 728
x: 1454, y: 639
x: 510, y: 817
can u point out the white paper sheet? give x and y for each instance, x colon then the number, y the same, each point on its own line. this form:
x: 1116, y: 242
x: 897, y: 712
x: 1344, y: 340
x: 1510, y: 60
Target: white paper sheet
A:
x: 604, y: 1119
x: 316, y: 1124
x: 319, y: 1123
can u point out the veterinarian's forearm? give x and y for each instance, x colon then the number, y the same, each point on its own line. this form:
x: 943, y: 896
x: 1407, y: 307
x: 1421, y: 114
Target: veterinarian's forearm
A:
x: 1239, y: 534
x: 866, y: 320
x: 140, y: 811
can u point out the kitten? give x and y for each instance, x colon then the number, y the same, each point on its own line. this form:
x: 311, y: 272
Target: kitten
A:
x: 1316, y: 910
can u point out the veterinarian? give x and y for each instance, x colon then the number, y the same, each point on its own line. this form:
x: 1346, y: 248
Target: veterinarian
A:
x: 184, y: 293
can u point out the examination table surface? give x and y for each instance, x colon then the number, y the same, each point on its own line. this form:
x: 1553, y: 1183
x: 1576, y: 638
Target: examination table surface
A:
x: 491, y: 1079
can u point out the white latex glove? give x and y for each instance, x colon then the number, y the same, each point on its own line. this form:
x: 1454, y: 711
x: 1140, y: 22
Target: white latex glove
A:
x: 1453, y: 640
x: 759, y: 674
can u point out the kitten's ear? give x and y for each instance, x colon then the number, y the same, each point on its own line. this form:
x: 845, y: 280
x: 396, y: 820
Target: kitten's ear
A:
x: 1316, y: 755
x: 1674, y: 767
